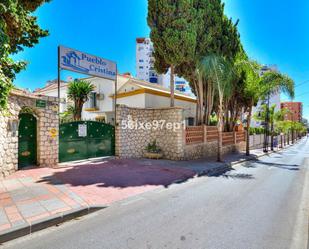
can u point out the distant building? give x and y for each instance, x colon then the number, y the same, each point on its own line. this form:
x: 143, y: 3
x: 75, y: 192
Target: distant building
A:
x: 274, y: 99
x: 145, y: 68
x: 295, y: 111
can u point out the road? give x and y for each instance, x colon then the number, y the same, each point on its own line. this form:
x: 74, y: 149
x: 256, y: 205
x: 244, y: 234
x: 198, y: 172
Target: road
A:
x: 258, y: 205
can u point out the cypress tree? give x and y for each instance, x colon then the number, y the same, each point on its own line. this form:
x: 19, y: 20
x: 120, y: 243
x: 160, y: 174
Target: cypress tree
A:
x: 173, y: 33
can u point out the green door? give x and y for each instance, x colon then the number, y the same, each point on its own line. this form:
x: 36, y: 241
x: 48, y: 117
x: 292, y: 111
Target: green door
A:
x: 27, y: 140
x: 85, y: 139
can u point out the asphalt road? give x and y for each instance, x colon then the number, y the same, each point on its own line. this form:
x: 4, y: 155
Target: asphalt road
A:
x: 257, y: 205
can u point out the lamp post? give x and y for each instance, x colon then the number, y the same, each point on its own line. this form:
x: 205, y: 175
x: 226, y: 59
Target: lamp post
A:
x: 266, y: 130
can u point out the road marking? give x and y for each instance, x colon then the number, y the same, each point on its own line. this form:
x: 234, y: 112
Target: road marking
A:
x: 300, y: 238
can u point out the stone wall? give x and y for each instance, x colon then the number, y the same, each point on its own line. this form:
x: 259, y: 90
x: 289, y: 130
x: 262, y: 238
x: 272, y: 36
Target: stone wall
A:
x: 47, y: 131
x: 132, y: 140
x: 209, y: 150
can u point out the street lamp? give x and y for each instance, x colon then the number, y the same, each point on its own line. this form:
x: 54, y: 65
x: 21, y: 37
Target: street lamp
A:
x: 266, y: 130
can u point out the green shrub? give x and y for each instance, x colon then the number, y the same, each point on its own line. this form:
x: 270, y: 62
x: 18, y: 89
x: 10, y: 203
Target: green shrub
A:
x: 153, y: 148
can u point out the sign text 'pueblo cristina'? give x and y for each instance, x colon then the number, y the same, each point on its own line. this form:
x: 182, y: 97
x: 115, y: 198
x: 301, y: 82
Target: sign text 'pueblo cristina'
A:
x: 81, y: 62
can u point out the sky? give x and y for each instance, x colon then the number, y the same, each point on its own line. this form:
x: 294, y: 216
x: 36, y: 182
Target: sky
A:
x: 272, y: 32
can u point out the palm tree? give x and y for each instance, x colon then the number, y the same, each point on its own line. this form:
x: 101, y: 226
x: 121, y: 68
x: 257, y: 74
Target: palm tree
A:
x: 274, y: 118
x: 272, y: 82
x: 78, y: 91
x: 218, y: 72
x: 251, y: 91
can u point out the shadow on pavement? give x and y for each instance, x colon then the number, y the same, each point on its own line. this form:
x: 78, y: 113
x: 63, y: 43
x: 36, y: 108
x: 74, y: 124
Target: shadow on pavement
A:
x: 118, y: 174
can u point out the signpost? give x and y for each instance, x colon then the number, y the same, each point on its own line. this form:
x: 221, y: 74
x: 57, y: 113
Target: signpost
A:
x: 82, y: 130
x: 80, y: 62
x: 40, y: 103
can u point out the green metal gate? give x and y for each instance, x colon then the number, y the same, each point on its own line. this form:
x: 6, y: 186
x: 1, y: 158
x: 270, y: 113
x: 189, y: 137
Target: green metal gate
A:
x: 85, y: 139
x: 27, y: 144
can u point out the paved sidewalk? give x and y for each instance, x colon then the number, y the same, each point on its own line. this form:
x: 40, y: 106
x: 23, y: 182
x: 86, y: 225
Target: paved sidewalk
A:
x: 23, y: 200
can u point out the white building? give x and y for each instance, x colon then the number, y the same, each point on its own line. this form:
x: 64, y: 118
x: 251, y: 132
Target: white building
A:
x: 131, y: 92
x: 145, y: 68
x: 274, y: 99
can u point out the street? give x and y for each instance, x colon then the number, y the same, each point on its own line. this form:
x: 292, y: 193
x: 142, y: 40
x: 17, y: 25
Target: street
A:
x: 259, y: 204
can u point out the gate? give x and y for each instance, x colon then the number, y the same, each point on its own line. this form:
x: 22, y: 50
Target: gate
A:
x: 85, y: 139
x: 27, y: 140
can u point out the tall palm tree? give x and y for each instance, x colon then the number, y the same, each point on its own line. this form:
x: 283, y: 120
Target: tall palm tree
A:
x: 271, y: 83
x: 78, y: 91
x: 218, y: 71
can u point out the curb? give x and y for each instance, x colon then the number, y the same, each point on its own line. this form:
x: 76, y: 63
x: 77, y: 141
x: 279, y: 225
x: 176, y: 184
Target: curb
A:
x: 23, y: 230
x: 229, y: 166
x: 253, y: 157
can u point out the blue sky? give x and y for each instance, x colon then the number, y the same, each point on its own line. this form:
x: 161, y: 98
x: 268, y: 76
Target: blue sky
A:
x: 273, y: 32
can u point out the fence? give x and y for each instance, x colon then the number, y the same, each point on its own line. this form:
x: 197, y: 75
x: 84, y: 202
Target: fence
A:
x: 204, y: 134
x: 257, y: 140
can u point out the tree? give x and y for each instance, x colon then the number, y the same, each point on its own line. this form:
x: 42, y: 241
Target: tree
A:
x: 18, y: 29
x: 79, y: 91
x: 274, y: 118
x: 251, y: 89
x: 271, y: 83
x: 216, y: 34
x: 217, y: 70
x: 173, y: 34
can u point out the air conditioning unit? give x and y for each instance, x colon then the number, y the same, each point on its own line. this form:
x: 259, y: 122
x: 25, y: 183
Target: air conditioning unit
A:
x: 100, y: 96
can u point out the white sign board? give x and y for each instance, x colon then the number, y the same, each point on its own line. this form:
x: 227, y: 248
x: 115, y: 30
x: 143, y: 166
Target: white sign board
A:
x: 80, y: 62
x: 82, y: 130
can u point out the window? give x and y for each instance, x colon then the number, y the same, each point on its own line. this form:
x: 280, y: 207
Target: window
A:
x: 141, y: 60
x: 141, y: 67
x: 153, y: 80
x: 93, y: 100
x: 190, y: 121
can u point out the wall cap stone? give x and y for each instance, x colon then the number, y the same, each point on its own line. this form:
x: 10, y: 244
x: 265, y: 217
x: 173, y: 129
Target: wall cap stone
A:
x: 154, y: 109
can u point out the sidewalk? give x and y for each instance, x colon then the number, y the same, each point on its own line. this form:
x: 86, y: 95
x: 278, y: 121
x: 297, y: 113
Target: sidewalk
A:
x: 37, y: 195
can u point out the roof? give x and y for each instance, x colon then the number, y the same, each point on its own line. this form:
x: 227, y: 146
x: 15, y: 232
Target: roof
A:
x: 140, y: 39
x: 146, y: 87
x: 151, y: 88
x: 51, y: 85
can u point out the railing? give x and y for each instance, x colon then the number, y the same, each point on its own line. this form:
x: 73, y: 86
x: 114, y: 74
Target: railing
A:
x: 227, y: 138
x: 240, y: 136
x: 194, y: 134
x: 212, y: 133
x: 204, y: 134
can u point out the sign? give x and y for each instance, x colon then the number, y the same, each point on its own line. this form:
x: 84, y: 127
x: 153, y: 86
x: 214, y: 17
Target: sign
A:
x: 80, y: 62
x: 40, y: 103
x: 82, y: 130
x: 53, y: 133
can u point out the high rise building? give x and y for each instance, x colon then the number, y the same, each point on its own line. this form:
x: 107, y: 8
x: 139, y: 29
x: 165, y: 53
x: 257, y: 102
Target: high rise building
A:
x: 145, y: 67
x: 274, y: 99
x: 295, y: 111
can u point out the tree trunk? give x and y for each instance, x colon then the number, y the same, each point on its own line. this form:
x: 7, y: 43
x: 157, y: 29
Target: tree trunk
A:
x: 248, y: 131
x: 272, y: 135
x: 172, y: 86
x: 78, y: 110
x: 220, y: 129
x: 201, y: 98
x: 209, y: 101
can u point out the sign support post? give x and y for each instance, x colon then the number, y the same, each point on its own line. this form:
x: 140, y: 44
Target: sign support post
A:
x: 115, y: 98
x: 58, y: 77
